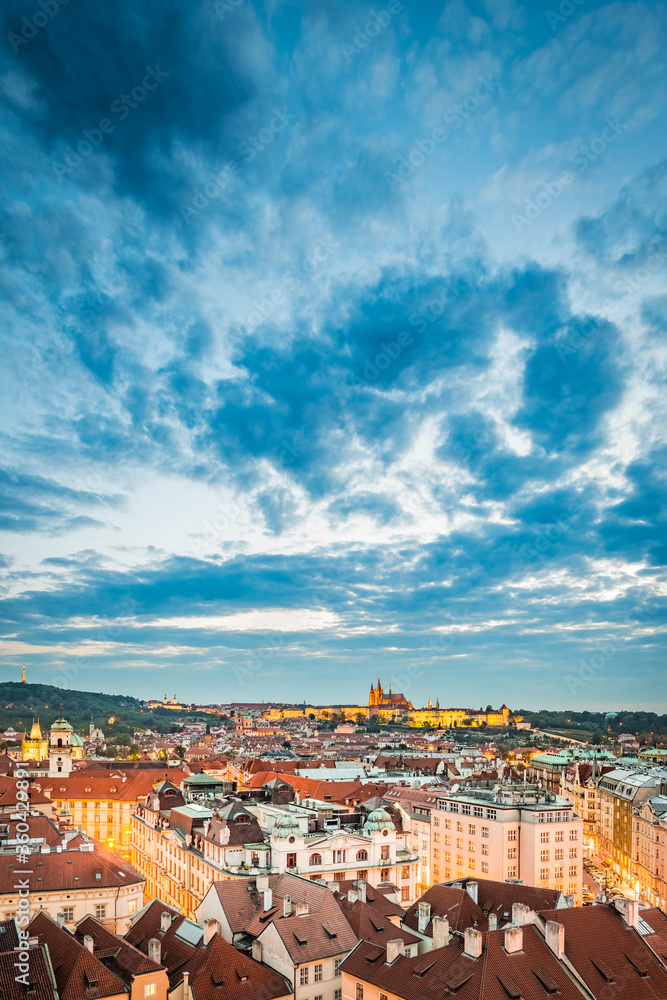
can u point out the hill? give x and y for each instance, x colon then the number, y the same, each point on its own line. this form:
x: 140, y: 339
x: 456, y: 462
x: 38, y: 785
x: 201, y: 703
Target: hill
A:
x: 20, y: 703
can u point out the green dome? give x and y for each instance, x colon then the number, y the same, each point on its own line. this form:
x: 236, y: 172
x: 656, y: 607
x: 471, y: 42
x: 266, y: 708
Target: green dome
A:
x: 378, y: 820
x: 285, y: 826
x: 76, y: 740
x: 60, y: 726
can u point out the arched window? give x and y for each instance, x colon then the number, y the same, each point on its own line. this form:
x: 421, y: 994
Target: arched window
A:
x: 315, y: 859
x: 60, y: 742
x: 362, y: 855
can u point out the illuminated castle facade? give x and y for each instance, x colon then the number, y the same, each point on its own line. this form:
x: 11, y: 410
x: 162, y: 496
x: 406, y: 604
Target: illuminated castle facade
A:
x: 381, y: 699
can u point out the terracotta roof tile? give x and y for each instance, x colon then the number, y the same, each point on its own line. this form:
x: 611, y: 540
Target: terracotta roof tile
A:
x: 40, y: 977
x: 70, y: 869
x: 78, y: 973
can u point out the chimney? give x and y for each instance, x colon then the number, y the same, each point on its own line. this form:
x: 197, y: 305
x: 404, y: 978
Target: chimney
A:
x: 424, y: 915
x: 440, y: 932
x: 472, y: 889
x: 287, y: 906
x: 569, y: 899
x: 262, y: 883
x: 473, y: 943
x: 493, y: 922
x: 155, y: 950
x: 268, y: 899
x: 257, y: 950
x: 186, y: 986
x: 301, y: 909
x: 629, y: 908
x: 555, y: 938
x: 513, y: 940
x: 353, y: 895
x: 165, y: 921
x: 333, y: 887
x: 61, y: 919
x: 211, y: 927
x: 361, y: 889
x: 394, y: 949
x: 520, y: 914
x: 88, y: 942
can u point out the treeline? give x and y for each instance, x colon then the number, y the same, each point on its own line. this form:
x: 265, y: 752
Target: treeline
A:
x: 644, y: 724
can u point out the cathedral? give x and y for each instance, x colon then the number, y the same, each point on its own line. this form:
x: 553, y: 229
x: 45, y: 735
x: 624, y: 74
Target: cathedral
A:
x: 60, y: 747
x: 379, y: 699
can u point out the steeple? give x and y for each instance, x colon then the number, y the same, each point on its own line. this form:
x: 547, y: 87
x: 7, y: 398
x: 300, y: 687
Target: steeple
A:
x: 23, y: 680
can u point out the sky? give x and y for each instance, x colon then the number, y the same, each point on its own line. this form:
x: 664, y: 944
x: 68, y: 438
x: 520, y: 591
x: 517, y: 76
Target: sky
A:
x: 333, y: 343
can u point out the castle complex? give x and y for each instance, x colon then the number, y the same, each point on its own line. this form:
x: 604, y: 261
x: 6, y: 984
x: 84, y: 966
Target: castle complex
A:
x: 378, y: 699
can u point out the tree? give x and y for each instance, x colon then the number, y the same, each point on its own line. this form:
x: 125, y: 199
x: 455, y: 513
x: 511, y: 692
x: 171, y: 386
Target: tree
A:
x: 596, y: 739
x: 179, y: 751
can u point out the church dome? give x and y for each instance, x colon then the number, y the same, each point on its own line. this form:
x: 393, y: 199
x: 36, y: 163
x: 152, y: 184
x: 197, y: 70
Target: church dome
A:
x: 378, y: 820
x: 286, y: 825
x: 76, y: 740
x: 61, y: 726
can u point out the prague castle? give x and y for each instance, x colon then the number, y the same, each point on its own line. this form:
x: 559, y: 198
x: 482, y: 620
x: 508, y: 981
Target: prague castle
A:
x: 378, y: 699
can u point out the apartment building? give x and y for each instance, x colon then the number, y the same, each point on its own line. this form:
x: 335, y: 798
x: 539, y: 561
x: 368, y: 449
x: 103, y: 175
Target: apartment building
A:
x: 649, y: 849
x: 621, y: 792
x: 415, y: 806
x: 510, y: 832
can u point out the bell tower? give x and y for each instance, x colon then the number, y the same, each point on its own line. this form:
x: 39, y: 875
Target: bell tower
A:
x: 60, y: 747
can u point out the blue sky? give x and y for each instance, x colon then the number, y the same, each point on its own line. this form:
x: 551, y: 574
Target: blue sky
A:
x: 333, y: 343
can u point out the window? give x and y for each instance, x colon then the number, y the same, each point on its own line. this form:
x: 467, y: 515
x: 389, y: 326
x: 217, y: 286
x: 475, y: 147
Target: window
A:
x: 572, y: 871
x: 362, y: 873
x: 149, y: 990
x: 383, y: 996
x: 337, y: 965
x: 319, y: 997
x: 317, y: 973
x: 436, y: 838
x: 405, y: 871
x: 544, y: 855
x: 544, y: 837
x: 448, y: 824
x: 359, y: 992
x: 338, y: 995
x: 405, y: 894
x: 291, y: 860
x: 511, y: 834
x: 436, y: 855
x: 471, y: 846
x: 478, y: 811
x: 447, y: 856
x: 459, y: 861
x: 466, y: 810
x: 471, y: 829
x: 68, y: 913
x: 384, y: 875
x: 436, y: 821
x: 485, y: 831
x: 544, y: 874
x: 485, y: 849
x: 448, y: 840
x: 303, y: 976
x: 559, y: 836
x: 490, y: 813
x: 459, y: 843
x: 459, y: 827
x: 100, y: 912
x: 485, y: 867
x: 511, y: 852
x: 573, y: 852
x: 572, y: 888
x: 511, y: 871
x: 384, y: 852
x: 471, y: 864
x: 558, y: 872
x: 574, y: 834
x: 315, y: 859
x: 559, y: 854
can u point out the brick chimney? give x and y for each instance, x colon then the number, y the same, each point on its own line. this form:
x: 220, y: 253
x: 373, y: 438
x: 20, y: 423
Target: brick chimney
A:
x: 155, y: 950
x: 513, y: 940
x: 493, y: 922
x: 554, y: 934
x: 257, y: 950
x: 394, y: 949
x: 287, y: 906
x: 520, y: 914
x: 423, y: 916
x: 88, y: 942
x: 473, y: 943
x: 301, y: 909
x: 361, y: 889
x: 440, y: 932
x: 472, y: 888
x: 333, y: 887
x: 629, y: 908
x: 165, y: 921
x: 353, y: 895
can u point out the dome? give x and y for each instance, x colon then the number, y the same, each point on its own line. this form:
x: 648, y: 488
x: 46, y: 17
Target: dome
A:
x: 76, y: 740
x: 378, y: 820
x: 35, y: 732
x: 285, y: 826
x: 60, y: 726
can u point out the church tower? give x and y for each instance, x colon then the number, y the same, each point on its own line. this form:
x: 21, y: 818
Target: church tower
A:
x: 60, y: 747
x: 35, y: 746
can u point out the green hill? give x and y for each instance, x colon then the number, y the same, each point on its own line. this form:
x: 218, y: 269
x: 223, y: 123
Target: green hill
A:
x: 20, y: 703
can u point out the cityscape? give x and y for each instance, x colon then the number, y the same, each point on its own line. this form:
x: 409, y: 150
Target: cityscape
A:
x: 333, y: 500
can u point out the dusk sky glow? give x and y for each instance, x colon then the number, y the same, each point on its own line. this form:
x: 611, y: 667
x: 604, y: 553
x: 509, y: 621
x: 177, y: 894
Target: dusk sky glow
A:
x: 334, y: 346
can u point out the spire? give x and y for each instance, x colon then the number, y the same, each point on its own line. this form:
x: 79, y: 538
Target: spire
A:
x: 23, y: 680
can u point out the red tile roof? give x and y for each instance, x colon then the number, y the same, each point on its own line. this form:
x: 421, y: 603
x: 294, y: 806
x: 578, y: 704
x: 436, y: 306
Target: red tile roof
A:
x: 78, y: 973
x: 657, y: 939
x: 131, y: 786
x: 40, y: 977
x: 70, y: 869
x: 455, y: 904
x: 128, y: 961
